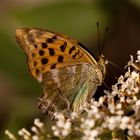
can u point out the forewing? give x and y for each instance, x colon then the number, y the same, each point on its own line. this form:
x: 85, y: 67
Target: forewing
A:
x: 46, y: 50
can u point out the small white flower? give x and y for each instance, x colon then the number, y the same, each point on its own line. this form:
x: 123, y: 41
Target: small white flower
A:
x: 64, y: 132
x: 120, y: 112
x: 53, y: 127
x: 67, y: 125
x: 98, y: 116
x: 131, y: 58
x: 10, y: 135
x: 124, y: 122
x: 74, y: 115
x: 94, y: 133
x: 38, y: 123
x: 138, y: 52
x: 35, y: 130
x: 137, y: 103
x: 113, y: 122
x: 122, y: 99
x: 134, y: 75
x: 20, y: 133
x: 138, y: 56
x: 137, y: 126
x: 56, y: 133
x: 90, y: 134
x: 62, y: 127
x: 89, y: 123
x: 26, y: 137
x: 24, y: 132
x: 130, y: 133
x: 134, y: 98
x: 119, y: 106
x: 129, y: 100
x: 86, y: 132
x: 95, y: 110
x: 111, y: 108
x: 35, y: 137
x: 102, y: 99
x: 137, y: 132
x: 60, y: 123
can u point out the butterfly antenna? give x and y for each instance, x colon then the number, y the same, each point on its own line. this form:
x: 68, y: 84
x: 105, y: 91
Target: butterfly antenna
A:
x: 106, y: 85
x: 115, y: 65
x: 99, y: 40
x: 105, y: 36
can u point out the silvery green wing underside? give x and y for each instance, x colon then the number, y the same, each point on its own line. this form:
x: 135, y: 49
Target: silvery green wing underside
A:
x: 68, y: 88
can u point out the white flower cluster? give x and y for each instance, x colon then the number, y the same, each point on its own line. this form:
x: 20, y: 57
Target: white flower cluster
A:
x: 118, y: 110
x: 88, y: 124
x: 62, y: 127
x: 37, y: 129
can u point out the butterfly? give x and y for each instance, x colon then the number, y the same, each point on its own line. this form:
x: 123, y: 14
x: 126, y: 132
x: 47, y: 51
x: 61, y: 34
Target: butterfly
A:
x: 68, y: 73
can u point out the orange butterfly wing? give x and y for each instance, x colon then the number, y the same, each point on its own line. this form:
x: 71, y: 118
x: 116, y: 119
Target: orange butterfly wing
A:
x: 46, y: 50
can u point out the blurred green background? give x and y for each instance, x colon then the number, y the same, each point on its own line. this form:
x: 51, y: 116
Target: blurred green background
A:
x: 76, y: 18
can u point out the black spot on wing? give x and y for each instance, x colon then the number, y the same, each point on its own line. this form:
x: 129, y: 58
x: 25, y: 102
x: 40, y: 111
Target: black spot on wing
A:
x: 51, y: 52
x: 77, y: 53
x: 63, y: 47
x: 72, y: 49
x: 51, y: 40
x: 53, y: 66
x: 44, y: 45
x: 35, y: 46
x: 41, y: 52
x: 60, y: 59
x: 44, y: 61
